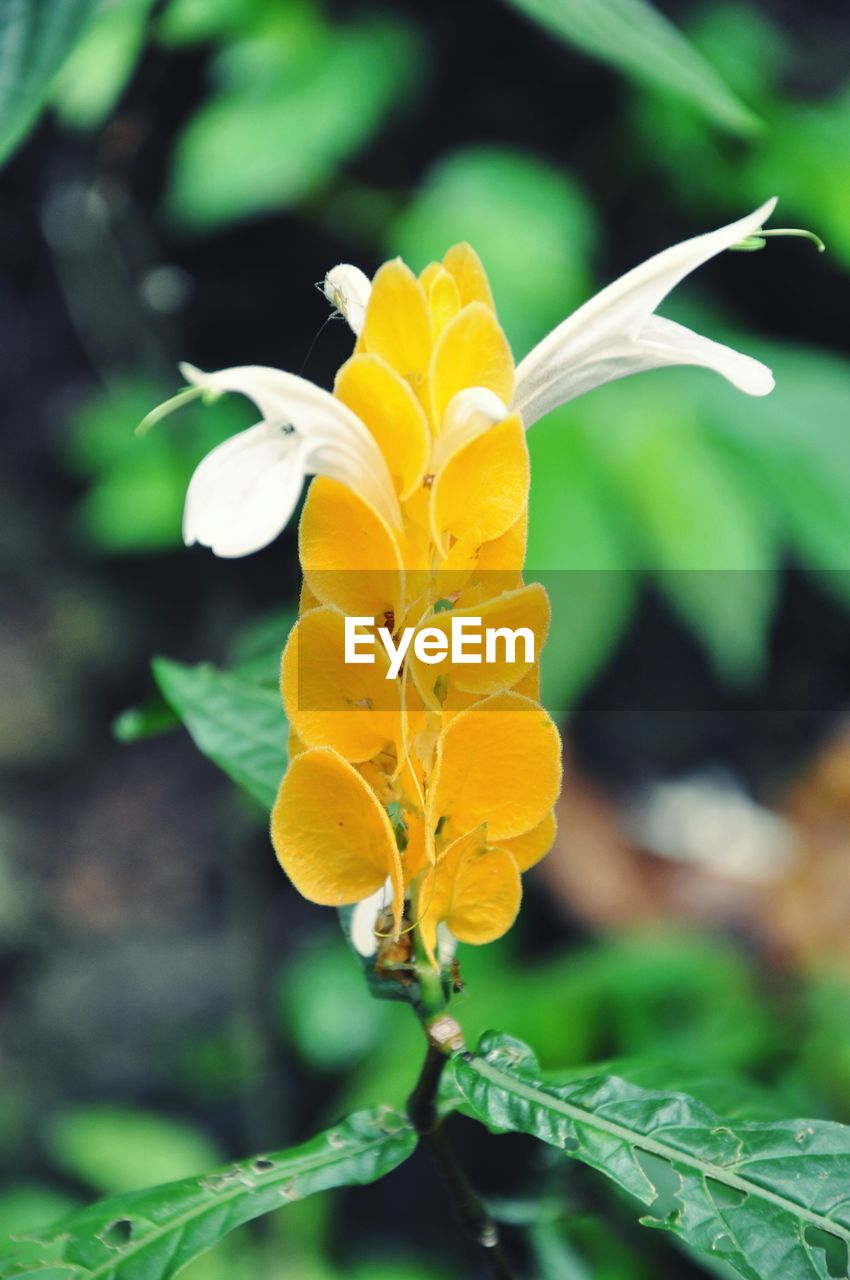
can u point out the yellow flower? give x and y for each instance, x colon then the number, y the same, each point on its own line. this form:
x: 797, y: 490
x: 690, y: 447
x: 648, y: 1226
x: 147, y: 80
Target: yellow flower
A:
x: 420, y: 781
x: 431, y: 778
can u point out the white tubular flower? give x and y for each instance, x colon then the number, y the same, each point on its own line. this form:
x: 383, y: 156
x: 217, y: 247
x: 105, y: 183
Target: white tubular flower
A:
x: 347, y: 289
x: 243, y: 493
x: 616, y: 333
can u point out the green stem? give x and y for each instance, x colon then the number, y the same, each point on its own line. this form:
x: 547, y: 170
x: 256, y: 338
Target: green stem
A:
x: 800, y: 232
x: 470, y: 1211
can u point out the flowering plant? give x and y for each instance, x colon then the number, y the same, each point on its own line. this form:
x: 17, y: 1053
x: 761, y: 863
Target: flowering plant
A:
x: 422, y: 782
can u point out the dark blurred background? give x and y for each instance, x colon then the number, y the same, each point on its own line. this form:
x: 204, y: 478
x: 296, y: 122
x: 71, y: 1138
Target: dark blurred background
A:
x: 167, y: 1000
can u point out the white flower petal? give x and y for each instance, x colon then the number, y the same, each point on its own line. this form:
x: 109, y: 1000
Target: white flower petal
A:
x: 604, y: 339
x: 364, y: 917
x: 244, y: 492
x: 675, y: 344
x: 446, y: 945
x: 347, y: 289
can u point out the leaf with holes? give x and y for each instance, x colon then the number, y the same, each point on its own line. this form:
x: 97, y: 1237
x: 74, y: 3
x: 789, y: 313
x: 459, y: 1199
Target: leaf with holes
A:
x: 238, y: 724
x: 151, y: 1234
x: 36, y: 36
x: 770, y: 1200
x: 634, y: 37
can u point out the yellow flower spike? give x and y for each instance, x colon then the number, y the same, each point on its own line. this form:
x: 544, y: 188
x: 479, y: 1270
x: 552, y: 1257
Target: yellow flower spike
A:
x: 331, y: 836
x: 474, y: 889
x: 465, y: 265
x: 349, y: 555
x: 499, y: 763
x: 385, y: 402
x: 397, y: 325
x: 443, y: 299
x: 526, y: 608
x: 472, y: 351
x: 350, y: 707
x: 484, y: 485
x: 527, y: 850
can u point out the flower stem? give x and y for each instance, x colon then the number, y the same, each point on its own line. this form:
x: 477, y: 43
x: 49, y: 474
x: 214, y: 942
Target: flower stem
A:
x: 469, y: 1210
x: 445, y: 1037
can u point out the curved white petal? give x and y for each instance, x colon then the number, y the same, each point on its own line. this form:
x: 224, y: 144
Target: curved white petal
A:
x: 666, y: 342
x: 244, y: 492
x: 347, y: 288
x: 610, y: 335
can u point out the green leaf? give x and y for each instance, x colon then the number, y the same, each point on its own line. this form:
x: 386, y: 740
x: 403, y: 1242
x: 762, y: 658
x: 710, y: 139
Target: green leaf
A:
x: 148, y: 721
x: 24, y: 1205
x: 326, y: 1009
x: 797, y: 460
x: 36, y: 36
x: 239, y: 725
x: 257, y: 652
x: 709, y: 544
x: 152, y: 1234
x: 94, y: 76
x: 113, y: 1148
x: 634, y: 37
x: 576, y: 546
x: 769, y: 1199
x: 493, y: 197
x: 294, y: 105
x: 555, y: 1256
x: 191, y: 21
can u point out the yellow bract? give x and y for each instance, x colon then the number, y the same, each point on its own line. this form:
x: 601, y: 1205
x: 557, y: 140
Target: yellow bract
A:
x: 348, y: 553
x: 526, y: 608
x: 465, y: 265
x: 332, y: 837
x: 498, y: 763
x: 443, y: 298
x: 475, y: 890
x: 442, y: 778
x: 471, y: 351
x: 385, y: 402
x: 397, y: 325
x: 330, y: 702
x: 484, y: 485
x: 529, y: 848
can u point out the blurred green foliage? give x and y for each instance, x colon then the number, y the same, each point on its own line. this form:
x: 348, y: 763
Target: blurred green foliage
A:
x: 93, y: 77
x: 37, y: 38
x: 136, y: 488
x: 116, y: 1148
x: 635, y: 38
x: 280, y: 122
